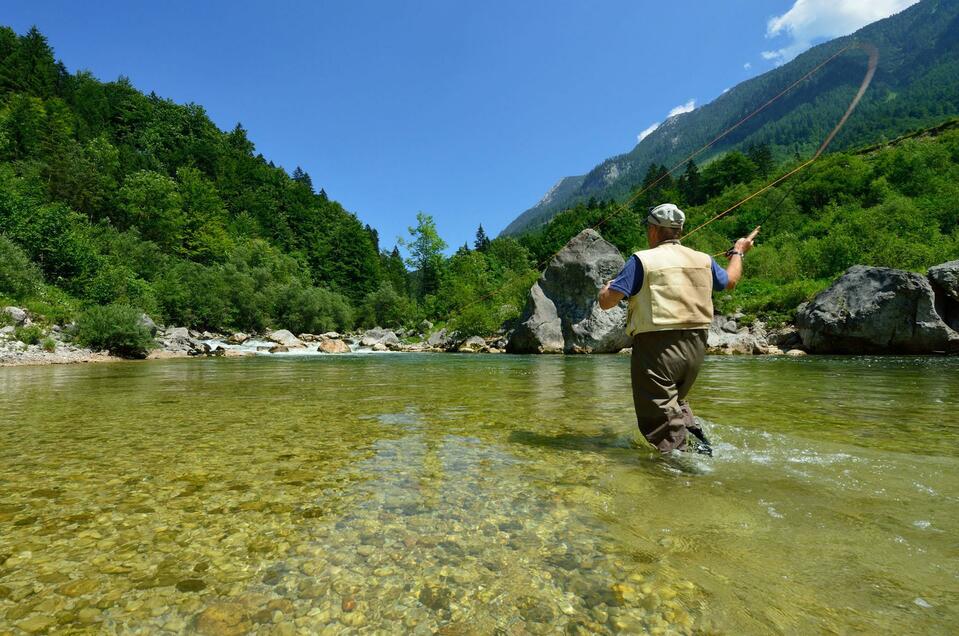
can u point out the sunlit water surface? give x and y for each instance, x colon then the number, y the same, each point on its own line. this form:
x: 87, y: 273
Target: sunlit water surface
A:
x: 476, y: 494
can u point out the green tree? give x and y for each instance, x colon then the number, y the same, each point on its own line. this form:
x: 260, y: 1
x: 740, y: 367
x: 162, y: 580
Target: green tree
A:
x: 151, y: 203
x: 426, y: 253
x: 482, y: 242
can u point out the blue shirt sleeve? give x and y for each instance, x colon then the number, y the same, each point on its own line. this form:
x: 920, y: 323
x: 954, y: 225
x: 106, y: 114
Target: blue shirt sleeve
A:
x: 630, y: 278
x: 720, y: 277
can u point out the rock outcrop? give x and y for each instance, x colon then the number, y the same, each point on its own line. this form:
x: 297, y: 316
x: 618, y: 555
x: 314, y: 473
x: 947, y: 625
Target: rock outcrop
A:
x: 562, y: 314
x: 875, y: 310
x: 179, y: 340
x: 727, y: 337
x: 945, y: 284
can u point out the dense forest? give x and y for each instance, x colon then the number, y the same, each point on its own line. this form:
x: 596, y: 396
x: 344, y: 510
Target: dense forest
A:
x: 113, y: 202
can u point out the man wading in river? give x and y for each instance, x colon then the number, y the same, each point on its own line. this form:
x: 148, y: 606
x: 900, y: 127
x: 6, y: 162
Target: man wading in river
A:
x: 670, y: 309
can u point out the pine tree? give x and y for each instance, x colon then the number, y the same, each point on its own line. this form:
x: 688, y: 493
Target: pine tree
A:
x: 690, y: 186
x: 301, y: 176
x: 762, y: 156
x: 482, y: 241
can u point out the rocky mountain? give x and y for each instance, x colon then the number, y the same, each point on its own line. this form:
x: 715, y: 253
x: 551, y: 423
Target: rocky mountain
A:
x: 916, y: 86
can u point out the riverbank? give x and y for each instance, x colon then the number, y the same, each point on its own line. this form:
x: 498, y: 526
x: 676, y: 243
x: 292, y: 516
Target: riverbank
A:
x: 728, y: 336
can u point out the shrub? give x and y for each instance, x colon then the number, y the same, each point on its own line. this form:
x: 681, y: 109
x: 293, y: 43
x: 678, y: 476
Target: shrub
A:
x: 116, y: 328
x: 19, y: 277
x: 30, y: 335
x: 49, y: 345
x: 312, y: 310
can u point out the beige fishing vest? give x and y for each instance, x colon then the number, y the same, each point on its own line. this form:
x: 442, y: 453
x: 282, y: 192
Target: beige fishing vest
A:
x: 676, y: 291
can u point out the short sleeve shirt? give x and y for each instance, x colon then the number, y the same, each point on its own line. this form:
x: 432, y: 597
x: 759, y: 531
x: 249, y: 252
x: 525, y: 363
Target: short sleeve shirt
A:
x: 630, y: 279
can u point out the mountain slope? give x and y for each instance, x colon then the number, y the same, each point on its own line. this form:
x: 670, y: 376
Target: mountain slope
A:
x: 916, y: 85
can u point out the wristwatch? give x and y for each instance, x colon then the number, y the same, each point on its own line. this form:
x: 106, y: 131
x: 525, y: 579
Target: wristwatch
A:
x: 737, y: 252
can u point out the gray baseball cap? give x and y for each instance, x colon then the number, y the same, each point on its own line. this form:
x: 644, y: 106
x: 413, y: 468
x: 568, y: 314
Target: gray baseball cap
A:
x: 665, y: 215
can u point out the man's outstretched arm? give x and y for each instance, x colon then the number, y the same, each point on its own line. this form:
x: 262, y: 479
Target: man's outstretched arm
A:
x: 609, y: 298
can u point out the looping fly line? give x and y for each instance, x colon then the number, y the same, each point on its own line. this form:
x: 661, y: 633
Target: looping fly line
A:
x: 873, y: 61
x: 866, y: 80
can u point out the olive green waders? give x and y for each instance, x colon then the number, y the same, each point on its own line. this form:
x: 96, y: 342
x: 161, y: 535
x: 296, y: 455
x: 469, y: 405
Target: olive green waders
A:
x: 664, y: 366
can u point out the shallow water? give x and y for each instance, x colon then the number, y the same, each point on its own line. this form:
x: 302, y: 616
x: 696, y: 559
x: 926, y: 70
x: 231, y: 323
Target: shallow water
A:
x: 476, y: 494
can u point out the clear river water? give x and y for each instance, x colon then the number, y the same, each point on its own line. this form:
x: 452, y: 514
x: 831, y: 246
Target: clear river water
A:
x: 464, y: 494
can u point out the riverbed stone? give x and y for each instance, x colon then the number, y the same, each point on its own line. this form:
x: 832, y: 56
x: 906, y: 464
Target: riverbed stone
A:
x: 285, y: 338
x: 223, y: 619
x: 562, y: 312
x: 875, y: 310
x: 238, y: 338
x: 36, y: 624
x: 372, y: 337
x: 333, y: 346
x: 473, y: 344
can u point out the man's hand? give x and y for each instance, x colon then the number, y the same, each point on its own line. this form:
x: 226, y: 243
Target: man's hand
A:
x: 743, y: 245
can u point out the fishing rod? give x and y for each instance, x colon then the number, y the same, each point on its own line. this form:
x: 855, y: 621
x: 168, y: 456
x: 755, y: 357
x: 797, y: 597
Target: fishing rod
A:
x: 866, y: 80
x: 873, y: 61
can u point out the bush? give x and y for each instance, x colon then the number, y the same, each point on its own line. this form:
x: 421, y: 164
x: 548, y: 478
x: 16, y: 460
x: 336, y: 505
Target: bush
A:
x: 30, y: 335
x: 49, y: 345
x: 312, y: 310
x: 19, y: 277
x: 116, y: 328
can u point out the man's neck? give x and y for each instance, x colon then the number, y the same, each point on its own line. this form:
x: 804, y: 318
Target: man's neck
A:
x: 664, y: 242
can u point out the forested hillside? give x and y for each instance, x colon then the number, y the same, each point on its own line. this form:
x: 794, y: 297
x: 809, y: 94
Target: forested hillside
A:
x: 110, y: 196
x: 892, y: 205
x: 916, y: 86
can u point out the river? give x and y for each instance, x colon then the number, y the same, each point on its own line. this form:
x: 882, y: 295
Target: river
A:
x: 476, y: 494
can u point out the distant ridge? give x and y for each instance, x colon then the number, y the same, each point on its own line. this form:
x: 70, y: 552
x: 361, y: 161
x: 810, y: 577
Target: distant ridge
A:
x: 916, y: 86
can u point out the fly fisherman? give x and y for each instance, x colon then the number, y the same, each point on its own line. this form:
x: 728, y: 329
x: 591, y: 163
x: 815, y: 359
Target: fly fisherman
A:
x: 670, y: 309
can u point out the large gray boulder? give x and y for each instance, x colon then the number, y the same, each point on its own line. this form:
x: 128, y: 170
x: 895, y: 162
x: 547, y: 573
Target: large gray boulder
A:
x: 147, y: 323
x: 15, y: 315
x: 285, y: 338
x: 945, y: 283
x: 562, y: 313
x: 179, y: 340
x: 439, y: 339
x: 540, y: 330
x: 875, y: 310
x: 375, y: 336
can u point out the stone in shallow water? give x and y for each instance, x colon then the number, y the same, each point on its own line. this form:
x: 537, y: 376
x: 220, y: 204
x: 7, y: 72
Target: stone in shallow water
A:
x: 78, y: 587
x: 36, y: 624
x: 435, y: 598
x: 190, y: 585
x: 223, y: 619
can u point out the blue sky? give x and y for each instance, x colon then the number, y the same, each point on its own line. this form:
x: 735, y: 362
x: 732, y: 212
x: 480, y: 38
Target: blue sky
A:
x: 468, y: 111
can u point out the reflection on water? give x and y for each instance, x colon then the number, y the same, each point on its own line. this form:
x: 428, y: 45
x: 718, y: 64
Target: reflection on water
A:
x: 476, y: 494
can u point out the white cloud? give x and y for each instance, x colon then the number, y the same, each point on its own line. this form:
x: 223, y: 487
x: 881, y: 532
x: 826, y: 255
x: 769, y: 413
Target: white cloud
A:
x: 811, y: 20
x: 747, y: 66
x: 683, y: 108
x: 647, y: 132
